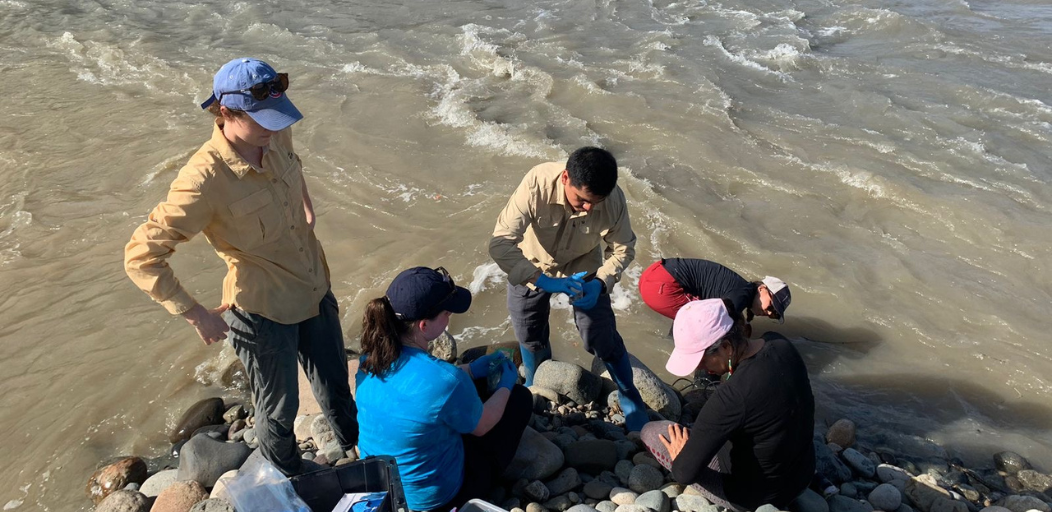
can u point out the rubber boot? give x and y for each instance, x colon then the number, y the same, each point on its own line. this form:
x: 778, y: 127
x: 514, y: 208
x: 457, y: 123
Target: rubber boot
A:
x: 531, y: 360
x: 631, y: 402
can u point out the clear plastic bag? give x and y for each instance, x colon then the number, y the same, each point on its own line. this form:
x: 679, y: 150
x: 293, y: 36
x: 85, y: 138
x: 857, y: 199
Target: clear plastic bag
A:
x: 260, y: 487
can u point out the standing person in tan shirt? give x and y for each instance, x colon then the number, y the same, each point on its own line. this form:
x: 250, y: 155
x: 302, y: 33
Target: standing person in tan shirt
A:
x: 244, y: 189
x: 550, y: 239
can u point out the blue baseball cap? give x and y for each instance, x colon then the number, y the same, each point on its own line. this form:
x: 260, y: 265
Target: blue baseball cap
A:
x: 231, y: 88
x: 420, y: 293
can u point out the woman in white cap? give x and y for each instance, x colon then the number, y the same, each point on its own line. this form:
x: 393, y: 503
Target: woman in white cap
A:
x: 450, y: 445
x: 765, y: 409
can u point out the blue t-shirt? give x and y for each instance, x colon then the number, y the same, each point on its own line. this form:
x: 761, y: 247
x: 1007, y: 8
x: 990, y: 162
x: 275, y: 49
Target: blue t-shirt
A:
x: 416, y: 413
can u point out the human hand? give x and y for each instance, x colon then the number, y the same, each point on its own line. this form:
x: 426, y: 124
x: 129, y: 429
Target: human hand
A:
x: 569, y: 285
x: 509, y: 375
x: 592, y: 290
x: 209, y: 324
x: 480, y: 367
x: 677, y: 438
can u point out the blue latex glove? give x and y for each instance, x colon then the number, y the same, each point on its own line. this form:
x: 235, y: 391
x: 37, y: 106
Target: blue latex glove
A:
x: 592, y: 290
x: 509, y: 375
x: 480, y: 367
x: 568, y: 285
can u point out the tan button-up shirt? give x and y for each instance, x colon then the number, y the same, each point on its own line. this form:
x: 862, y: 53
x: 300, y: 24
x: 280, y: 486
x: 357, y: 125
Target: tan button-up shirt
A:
x: 538, y: 232
x: 253, y: 219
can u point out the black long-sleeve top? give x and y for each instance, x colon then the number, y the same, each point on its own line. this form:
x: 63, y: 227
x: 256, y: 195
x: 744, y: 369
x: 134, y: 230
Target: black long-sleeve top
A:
x: 766, y: 410
x: 706, y: 279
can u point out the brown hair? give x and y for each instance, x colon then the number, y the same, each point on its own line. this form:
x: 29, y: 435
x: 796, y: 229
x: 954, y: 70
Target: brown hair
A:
x: 382, y: 333
x: 735, y: 337
x: 214, y: 110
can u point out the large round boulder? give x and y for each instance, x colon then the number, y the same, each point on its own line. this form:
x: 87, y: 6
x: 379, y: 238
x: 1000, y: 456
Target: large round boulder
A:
x: 569, y: 380
x: 205, y: 412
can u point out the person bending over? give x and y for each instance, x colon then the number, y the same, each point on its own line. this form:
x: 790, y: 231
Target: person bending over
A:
x: 450, y: 446
x: 765, y: 410
x: 670, y: 283
x: 244, y: 190
x: 566, y: 230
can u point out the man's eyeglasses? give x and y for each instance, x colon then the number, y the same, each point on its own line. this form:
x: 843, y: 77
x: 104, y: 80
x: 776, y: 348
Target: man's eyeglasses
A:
x: 262, y: 91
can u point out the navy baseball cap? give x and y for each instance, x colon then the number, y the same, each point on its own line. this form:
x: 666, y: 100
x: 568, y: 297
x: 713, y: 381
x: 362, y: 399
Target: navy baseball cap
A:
x: 231, y: 88
x: 420, y: 293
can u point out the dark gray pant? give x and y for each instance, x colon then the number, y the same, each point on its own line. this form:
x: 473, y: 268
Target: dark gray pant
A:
x: 529, y: 311
x: 270, y: 352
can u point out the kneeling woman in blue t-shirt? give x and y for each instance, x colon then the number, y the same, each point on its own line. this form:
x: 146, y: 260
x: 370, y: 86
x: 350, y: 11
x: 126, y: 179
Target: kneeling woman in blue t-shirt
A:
x: 426, y: 413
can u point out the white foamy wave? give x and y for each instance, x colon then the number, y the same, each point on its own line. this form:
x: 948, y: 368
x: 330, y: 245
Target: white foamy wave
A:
x: 453, y: 110
x: 169, y: 164
x: 715, y: 42
x: 12, y: 216
x: 746, y: 19
x: 624, y: 292
x: 1011, y: 61
x: 784, y: 56
x: 483, y: 53
x: 590, y: 86
x: 832, y: 31
x: 960, y: 144
x: 486, y: 276
x: 109, y: 64
x: 358, y: 67
x: 476, y: 331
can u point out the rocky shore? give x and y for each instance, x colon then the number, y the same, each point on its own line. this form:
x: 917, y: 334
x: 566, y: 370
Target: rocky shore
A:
x: 576, y: 456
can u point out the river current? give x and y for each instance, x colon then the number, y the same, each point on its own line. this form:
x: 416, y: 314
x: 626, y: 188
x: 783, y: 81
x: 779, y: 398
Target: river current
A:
x: 888, y: 159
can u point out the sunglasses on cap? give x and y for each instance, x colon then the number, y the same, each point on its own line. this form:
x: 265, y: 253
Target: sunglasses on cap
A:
x: 263, y: 90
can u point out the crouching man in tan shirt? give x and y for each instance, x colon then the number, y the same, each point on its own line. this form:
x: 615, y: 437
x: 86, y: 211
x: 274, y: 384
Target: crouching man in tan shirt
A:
x: 566, y: 230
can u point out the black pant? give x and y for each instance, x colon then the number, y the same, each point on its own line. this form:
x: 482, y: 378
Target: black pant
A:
x: 270, y: 352
x: 486, y: 457
x: 529, y: 311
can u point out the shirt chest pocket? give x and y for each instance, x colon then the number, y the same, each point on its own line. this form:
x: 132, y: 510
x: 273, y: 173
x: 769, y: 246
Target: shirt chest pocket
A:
x: 257, y: 219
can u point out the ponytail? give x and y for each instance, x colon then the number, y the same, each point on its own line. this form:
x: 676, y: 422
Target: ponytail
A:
x: 735, y: 337
x: 382, y: 334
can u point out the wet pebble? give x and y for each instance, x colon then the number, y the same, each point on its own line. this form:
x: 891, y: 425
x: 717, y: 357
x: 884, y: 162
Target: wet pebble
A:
x: 1010, y: 462
x: 234, y: 413
x: 859, y: 463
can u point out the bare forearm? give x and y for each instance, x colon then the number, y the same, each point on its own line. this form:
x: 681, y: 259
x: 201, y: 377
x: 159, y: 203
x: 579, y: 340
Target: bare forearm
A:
x: 492, y: 411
